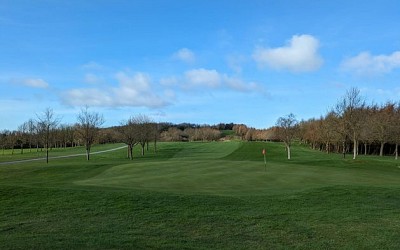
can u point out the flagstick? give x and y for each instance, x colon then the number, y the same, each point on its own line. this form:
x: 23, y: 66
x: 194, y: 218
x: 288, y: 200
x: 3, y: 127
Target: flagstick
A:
x: 265, y: 162
x: 264, y: 152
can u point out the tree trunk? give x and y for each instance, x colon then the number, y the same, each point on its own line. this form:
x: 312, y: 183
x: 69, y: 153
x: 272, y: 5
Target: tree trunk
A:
x: 354, y: 149
x: 87, y: 153
x: 288, y: 152
x: 130, y: 151
x: 365, y: 148
x: 47, y: 154
x: 381, y: 149
x: 344, y: 149
x: 397, y: 151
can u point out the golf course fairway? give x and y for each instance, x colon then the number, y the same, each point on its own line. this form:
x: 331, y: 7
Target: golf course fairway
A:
x: 214, y: 195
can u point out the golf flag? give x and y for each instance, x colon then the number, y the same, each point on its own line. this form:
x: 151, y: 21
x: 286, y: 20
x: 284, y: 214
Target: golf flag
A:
x: 265, y: 160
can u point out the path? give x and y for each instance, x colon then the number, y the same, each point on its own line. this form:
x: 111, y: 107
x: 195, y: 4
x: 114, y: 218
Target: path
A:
x: 62, y: 156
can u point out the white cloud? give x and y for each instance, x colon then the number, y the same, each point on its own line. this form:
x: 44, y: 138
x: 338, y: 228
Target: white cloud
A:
x: 241, y: 86
x: 235, y: 62
x: 92, y: 66
x: 367, y: 64
x: 212, y: 79
x: 202, y: 78
x: 185, y: 55
x: 93, y: 79
x: 299, y: 55
x: 133, y: 90
x: 35, y: 83
x: 89, y: 96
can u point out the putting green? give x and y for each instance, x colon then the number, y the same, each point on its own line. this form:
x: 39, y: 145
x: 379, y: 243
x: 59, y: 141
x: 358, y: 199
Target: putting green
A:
x: 236, y: 168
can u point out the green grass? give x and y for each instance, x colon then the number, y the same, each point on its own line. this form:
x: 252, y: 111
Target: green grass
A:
x: 200, y: 196
x: 7, y: 155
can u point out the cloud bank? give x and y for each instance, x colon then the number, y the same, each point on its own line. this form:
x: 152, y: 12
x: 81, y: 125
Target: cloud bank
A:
x: 365, y: 64
x: 211, y: 79
x: 299, y: 55
x: 35, y: 83
x: 132, y: 90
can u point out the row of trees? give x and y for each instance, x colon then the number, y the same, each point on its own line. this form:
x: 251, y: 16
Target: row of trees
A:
x: 45, y: 132
x: 351, y: 126
x: 138, y: 130
x: 203, y: 133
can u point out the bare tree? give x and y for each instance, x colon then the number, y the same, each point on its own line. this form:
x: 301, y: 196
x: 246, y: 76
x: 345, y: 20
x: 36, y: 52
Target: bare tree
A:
x: 3, y: 139
x: 130, y: 134
x: 145, y: 130
x: 287, y: 127
x: 88, y: 126
x: 240, y: 130
x: 22, y: 135
x: 349, y: 109
x: 172, y: 134
x: 47, y: 122
x: 155, y: 134
x: 396, y: 129
x: 31, y: 126
x: 12, y: 140
x: 381, y: 119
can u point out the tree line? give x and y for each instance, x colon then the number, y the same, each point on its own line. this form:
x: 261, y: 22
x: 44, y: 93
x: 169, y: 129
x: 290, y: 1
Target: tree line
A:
x: 45, y: 132
x: 353, y: 126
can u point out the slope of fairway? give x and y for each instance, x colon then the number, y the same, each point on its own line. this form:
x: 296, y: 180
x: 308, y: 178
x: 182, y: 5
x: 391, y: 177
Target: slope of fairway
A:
x: 237, y: 168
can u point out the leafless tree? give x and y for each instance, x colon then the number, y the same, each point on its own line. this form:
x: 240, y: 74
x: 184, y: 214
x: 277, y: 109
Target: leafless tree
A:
x: 381, y: 124
x: 140, y: 130
x: 172, y: 134
x: 47, y: 122
x: 287, y: 128
x: 349, y: 109
x: 3, y: 139
x: 396, y: 129
x: 145, y: 129
x: 88, y: 126
x: 240, y: 130
x: 22, y: 135
x: 155, y: 134
x: 31, y: 127
x: 129, y: 134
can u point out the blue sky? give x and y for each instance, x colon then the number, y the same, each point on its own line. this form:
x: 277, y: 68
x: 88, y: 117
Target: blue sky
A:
x: 194, y: 61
